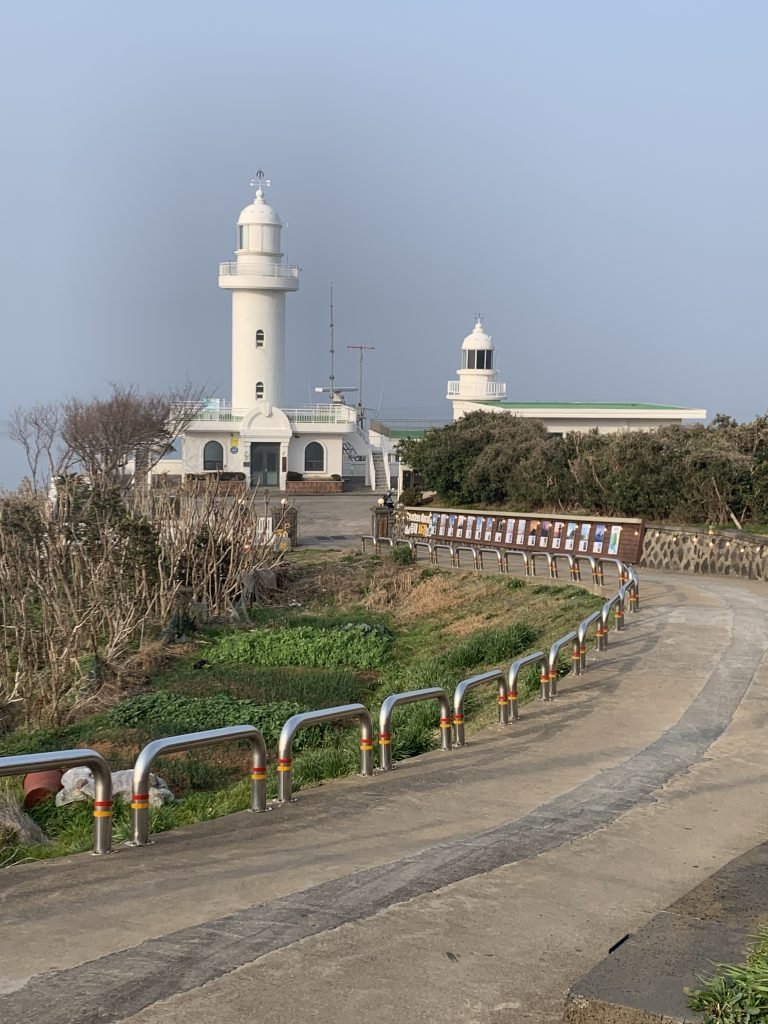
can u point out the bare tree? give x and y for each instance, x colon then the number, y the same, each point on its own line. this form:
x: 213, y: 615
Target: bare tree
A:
x: 38, y: 431
x: 117, y: 439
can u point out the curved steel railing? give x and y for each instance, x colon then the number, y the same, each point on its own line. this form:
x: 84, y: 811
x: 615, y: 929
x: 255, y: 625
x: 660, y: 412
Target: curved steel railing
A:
x: 537, y: 658
x: 490, y: 551
x: 410, y: 697
x: 190, y: 741
x: 595, y: 617
x: 493, y: 675
x: 102, y: 783
x: 521, y: 554
x: 554, y: 653
x: 342, y: 713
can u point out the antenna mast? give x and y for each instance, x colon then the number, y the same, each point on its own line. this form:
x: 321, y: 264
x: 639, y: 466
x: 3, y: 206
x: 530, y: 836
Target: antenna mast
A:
x: 360, y: 410
x: 332, y: 378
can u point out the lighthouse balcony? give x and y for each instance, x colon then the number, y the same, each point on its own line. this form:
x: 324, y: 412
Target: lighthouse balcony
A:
x: 271, y: 276
x: 477, y: 389
x: 339, y: 418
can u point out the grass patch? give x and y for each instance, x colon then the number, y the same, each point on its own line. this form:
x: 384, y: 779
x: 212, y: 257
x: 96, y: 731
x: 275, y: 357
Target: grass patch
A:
x: 356, y: 644
x: 736, y: 994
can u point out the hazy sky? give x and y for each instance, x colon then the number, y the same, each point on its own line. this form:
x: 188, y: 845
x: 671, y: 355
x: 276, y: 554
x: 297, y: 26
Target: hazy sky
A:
x: 591, y: 176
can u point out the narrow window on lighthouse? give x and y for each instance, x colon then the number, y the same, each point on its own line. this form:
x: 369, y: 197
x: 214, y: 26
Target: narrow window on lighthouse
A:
x: 241, y: 237
x: 259, y: 390
x: 259, y: 339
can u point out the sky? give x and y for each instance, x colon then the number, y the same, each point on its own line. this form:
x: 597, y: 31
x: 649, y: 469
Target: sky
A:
x: 590, y: 175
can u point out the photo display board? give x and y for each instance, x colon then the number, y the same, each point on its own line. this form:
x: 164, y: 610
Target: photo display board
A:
x: 571, y: 535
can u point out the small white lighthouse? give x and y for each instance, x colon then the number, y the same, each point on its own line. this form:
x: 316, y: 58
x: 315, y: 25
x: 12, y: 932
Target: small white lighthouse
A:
x: 258, y: 280
x: 478, y: 377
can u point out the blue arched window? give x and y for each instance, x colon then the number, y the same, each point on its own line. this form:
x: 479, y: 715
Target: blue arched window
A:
x: 314, y: 458
x: 213, y: 455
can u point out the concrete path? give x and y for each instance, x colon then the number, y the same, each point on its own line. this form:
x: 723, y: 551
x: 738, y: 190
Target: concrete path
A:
x: 472, y: 886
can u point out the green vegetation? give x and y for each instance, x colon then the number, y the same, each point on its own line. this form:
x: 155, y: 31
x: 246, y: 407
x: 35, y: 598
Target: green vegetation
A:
x: 737, y: 995
x: 356, y: 644
x: 685, y: 474
x: 365, y: 628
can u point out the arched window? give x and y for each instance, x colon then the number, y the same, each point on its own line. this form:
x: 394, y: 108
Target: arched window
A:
x: 314, y: 458
x: 213, y: 455
x: 259, y: 389
x: 259, y: 339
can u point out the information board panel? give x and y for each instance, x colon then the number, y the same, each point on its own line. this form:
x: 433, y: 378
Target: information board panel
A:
x: 576, y: 535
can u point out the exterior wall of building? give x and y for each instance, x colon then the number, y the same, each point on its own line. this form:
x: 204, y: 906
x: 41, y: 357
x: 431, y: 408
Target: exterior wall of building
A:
x: 605, y: 421
x: 332, y: 447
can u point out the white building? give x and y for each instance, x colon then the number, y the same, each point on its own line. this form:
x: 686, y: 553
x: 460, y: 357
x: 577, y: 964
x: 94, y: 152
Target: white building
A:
x: 256, y: 434
x: 479, y: 387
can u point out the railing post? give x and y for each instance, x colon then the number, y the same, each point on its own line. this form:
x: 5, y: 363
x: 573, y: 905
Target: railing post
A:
x: 410, y: 697
x: 102, y: 784
x: 190, y: 741
x: 494, y: 675
x: 343, y: 712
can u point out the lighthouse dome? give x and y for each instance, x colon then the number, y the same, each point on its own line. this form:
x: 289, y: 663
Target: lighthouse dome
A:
x: 259, y: 212
x: 478, y: 339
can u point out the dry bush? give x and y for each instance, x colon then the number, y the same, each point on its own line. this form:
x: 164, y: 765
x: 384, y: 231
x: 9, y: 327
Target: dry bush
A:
x: 390, y: 585
x: 91, y: 579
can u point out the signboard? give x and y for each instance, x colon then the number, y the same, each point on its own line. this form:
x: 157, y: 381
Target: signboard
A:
x: 576, y: 535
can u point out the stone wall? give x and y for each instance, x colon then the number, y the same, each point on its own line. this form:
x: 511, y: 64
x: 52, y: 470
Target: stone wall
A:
x: 725, y: 553
x: 314, y: 486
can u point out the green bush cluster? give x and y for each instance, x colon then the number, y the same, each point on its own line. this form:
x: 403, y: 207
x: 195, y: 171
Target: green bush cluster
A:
x: 687, y: 474
x: 355, y: 644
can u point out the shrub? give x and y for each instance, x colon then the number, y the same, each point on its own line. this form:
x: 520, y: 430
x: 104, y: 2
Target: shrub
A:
x: 402, y: 555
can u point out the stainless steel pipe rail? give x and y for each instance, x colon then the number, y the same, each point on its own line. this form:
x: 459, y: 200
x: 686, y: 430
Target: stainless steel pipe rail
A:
x: 342, y: 713
x: 595, y: 617
x: 554, y: 652
x: 617, y: 604
x: 410, y: 697
x: 493, y: 675
x: 521, y: 554
x: 190, y: 741
x: 537, y: 658
x: 102, y: 794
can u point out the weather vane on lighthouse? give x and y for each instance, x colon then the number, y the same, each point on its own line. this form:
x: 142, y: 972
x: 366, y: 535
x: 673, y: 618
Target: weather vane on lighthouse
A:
x: 260, y: 182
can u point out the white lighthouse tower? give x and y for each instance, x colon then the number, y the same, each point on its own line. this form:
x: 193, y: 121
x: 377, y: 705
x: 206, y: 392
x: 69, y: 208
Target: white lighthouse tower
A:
x: 478, y: 377
x: 258, y: 280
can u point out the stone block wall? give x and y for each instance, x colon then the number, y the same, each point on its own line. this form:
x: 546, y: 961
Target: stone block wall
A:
x: 314, y: 486
x: 725, y: 553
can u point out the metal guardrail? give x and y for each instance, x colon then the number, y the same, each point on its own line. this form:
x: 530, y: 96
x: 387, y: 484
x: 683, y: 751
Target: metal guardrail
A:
x: 410, y: 697
x: 522, y: 554
x: 554, y: 654
x: 595, y: 619
x: 342, y: 713
x: 537, y: 658
x: 102, y: 793
x: 190, y: 741
x: 494, y: 675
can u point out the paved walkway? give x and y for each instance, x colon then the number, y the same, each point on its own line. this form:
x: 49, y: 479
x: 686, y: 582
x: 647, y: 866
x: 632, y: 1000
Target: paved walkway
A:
x: 469, y: 887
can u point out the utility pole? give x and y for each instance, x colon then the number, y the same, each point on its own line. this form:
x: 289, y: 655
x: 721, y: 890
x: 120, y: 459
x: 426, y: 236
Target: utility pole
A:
x: 360, y: 408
